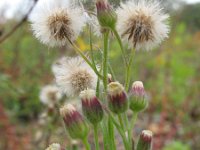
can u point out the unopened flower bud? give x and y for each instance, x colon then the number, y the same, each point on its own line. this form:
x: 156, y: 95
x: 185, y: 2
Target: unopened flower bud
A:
x: 91, y: 106
x: 138, y: 101
x: 105, y: 14
x: 117, y: 98
x: 75, y: 124
x: 145, y: 140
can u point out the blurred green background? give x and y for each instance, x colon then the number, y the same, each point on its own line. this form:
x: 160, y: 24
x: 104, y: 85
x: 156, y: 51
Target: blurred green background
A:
x: 171, y: 75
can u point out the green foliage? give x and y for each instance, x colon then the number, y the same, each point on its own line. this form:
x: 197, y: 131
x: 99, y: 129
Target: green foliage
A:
x: 177, y: 145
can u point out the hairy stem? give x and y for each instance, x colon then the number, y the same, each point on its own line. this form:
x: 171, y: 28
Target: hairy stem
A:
x: 96, y: 139
x: 105, y: 61
x: 87, y: 145
x: 128, y: 70
x: 121, y: 46
x: 86, y: 59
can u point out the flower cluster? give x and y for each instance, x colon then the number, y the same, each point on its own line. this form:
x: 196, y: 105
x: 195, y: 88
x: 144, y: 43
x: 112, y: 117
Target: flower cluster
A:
x: 104, y: 100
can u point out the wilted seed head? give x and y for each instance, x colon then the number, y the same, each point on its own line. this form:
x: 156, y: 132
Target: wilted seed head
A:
x: 117, y: 98
x: 91, y: 106
x: 139, y: 29
x: 145, y: 140
x: 74, y: 122
x: 54, y: 146
x: 137, y: 98
x: 60, y: 25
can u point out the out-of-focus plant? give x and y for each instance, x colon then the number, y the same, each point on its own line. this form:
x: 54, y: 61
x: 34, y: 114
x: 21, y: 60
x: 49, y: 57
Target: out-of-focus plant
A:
x: 176, y: 145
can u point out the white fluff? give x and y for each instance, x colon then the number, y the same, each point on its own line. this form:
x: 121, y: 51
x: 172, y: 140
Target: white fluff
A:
x: 74, y: 75
x: 54, y: 146
x: 50, y: 94
x: 47, y: 8
x: 151, y: 9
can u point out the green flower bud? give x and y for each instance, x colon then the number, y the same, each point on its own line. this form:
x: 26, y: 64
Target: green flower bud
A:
x: 117, y: 98
x: 91, y: 106
x: 145, y: 140
x: 75, y: 124
x: 105, y: 14
x: 137, y: 98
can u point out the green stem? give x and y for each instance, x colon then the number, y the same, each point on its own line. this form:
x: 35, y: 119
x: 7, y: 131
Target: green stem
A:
x: 105, y: 61
x: 118, y: 127
x: 87, y: 145
x: 121, y: 132
x: 112, y: 72
x: 133, y: 120
x: 86, y: 59
x: 111, y: 134
x: 121, y: 121
x: 131, y: 126
x: 128, y: 71
x: 96, y: 137
x: 105, y: 135
x: 91, y: 46
x: 121, y: 46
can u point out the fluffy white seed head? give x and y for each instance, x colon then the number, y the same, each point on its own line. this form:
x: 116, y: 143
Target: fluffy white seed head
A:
x: 74, y: 75
x: 54, y: 146
x: 50, y: 94
x: 54, y: 22
x: 143, y: 23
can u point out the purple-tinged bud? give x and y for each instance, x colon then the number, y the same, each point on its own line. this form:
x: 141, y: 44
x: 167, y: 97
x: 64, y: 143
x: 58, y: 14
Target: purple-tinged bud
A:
x: 75, y: 124
x: 117, y: 101
x: 145, y: 140
x: 138, y: 101
x: 105, y: 14
x: 91, y: 106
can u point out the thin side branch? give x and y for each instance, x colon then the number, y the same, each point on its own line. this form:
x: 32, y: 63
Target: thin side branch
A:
x: 4, y: 37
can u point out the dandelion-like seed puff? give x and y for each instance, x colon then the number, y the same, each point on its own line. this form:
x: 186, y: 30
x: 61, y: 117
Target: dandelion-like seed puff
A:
x: 74, y: 75
x: 55, y: 22
x: 143, y: 23
x: 49, y: 95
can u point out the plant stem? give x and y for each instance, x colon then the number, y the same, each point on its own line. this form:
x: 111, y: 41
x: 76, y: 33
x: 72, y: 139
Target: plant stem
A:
x: 105, y: 61
x: 105, y: 135
x: 96, y: 137
x: 121, y: 121
x: 86, y: 59
x: 121, y: 46
x: 121, y: 132
x: 118, y: 127
x: 91, y: 46
x: 111, y: 133
x: 131, y: 126
x: 128, y: 70
x: 87, y: 145
x: 133, y: 120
